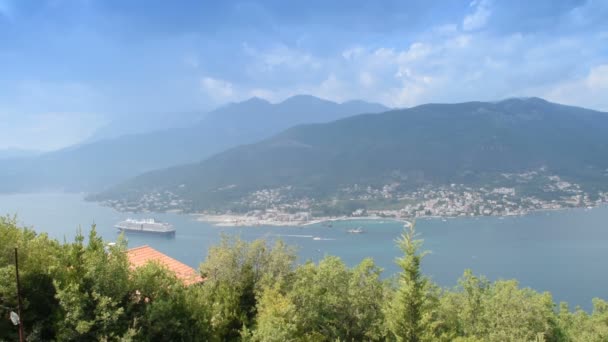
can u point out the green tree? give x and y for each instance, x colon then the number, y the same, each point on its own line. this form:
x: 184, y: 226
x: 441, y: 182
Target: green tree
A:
x: 514, y: 314
x: 499, y: 311
x: 87, y: 292
x: 236, y: 272
x: 37, y: 264
x: 598, y: 327
x: 276, y: 319
x: 92, y: 287
x: 580, y: 326
x: 409, y: 314
x: 164, y: 309
x: 320, y: 295
x: 366, y: 293
x: 333, y: 302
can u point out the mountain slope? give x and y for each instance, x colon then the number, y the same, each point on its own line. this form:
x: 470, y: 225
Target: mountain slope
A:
x: 141, y: 123
x: 9, y: 153
x: 96, y: 165
x: 429, y: 144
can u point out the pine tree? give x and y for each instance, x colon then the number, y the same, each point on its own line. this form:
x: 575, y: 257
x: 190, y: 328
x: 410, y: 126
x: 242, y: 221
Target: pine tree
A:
x: 406, y: 311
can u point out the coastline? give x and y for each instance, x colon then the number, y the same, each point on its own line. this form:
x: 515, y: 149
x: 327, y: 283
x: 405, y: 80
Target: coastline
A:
x: 236, y: 220
x: 232, y: 220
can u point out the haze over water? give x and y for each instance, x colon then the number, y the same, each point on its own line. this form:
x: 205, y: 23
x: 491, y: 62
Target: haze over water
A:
x: 563, y: 252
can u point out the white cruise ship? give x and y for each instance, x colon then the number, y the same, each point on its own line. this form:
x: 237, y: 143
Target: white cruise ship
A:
x: 145, y: 226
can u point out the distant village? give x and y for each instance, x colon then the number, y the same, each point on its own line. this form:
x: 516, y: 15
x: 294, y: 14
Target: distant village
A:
x: 279, y: 207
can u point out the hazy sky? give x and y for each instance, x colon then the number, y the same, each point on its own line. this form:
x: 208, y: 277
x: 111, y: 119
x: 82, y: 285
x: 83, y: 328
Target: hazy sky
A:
x: 69, y: 66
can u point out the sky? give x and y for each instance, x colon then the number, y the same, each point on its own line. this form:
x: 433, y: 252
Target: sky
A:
x: 68, y: 67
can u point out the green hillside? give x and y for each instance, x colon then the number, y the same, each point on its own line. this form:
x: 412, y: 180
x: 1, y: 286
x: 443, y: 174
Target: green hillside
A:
x: 469, y: 143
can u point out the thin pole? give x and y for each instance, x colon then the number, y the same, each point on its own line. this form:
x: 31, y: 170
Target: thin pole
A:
x: 18, y: 296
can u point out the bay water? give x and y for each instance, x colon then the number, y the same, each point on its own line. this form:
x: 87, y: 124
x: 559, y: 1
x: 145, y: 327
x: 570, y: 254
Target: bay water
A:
x: 564, y: 252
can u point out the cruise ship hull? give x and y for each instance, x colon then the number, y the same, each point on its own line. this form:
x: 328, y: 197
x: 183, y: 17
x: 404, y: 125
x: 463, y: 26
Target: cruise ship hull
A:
x: 146, y: 226
x: 147, y: 231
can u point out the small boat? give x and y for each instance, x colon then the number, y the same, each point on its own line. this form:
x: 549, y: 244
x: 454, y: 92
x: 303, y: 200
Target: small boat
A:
x: 357, y: 230
x: 316, y: 238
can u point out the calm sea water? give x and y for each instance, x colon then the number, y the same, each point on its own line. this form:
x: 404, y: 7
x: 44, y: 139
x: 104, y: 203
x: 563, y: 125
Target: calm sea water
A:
x: 565, y: 252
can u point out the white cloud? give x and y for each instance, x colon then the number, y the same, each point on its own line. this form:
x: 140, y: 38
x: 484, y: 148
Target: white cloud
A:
x: 219, y: 90
x: 331, y: 87
x: 446, y: 63
x: 281, y: 56
x: 265, y: 94
x: 441, y: 66
x: 415, y: 52
x: 352, y: 53
x: 479, y: 17
x: 597, y: 81
x: 588, y: 91
x: 366, y: 79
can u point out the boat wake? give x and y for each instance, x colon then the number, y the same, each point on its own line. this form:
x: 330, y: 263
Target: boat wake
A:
x: 295, y: 235
x: 316, y: 238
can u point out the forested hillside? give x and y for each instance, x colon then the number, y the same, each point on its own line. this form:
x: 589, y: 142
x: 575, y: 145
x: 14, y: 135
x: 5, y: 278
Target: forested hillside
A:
x: 85, y: 291
x: 438, y: 144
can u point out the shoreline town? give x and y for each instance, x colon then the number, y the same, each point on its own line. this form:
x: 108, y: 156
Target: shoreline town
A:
x: 518, y: 194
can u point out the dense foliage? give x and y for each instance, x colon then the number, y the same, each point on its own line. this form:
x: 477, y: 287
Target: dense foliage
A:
x: 85, y: 291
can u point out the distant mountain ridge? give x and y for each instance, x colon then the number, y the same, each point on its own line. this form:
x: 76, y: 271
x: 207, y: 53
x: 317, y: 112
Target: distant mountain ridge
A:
x: 427, y: 144
x: 99, y: 164
x: 9, y: 153
x: 131, y: 124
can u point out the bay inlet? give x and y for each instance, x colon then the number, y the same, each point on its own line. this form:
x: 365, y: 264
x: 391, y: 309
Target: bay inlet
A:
x: 564, y: 252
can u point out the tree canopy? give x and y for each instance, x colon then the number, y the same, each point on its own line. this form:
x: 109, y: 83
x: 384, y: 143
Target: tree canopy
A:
x: 85, y: 291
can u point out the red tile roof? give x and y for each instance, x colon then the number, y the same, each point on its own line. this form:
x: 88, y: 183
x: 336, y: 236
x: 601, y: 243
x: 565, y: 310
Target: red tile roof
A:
x: 140, y: 256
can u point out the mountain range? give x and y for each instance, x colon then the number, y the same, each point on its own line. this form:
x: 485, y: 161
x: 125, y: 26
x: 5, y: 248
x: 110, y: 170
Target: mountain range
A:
x: 465, y: 143
x: 141, y: 123
x: 97, y: 164
x: 11, y: 152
